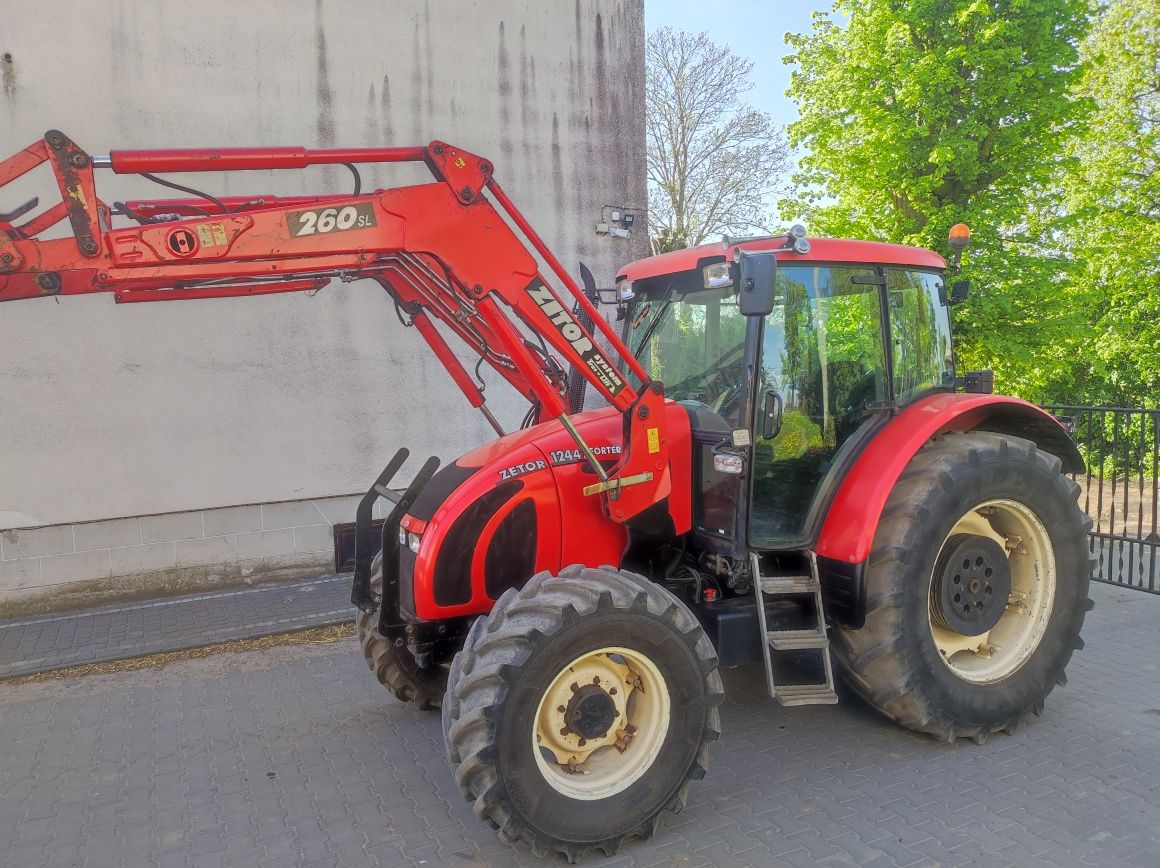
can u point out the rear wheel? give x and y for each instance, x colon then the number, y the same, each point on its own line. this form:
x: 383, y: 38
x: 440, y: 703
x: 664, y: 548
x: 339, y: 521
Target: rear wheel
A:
x: 977, y: 589
x: 393, y: 665
x: 580, y: 709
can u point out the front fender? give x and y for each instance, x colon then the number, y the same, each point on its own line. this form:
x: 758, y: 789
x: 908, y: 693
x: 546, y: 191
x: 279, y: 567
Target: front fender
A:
x: 850, y: 524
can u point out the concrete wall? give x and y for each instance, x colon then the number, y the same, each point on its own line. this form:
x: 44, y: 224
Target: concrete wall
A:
x: 111, y: 412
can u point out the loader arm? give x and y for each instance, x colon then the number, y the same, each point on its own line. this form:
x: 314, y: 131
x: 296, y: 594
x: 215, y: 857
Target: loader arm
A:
x: 449, y: 250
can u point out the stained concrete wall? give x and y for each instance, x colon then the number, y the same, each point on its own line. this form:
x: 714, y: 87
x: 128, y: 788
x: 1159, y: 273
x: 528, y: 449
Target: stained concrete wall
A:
x: 111, y: 411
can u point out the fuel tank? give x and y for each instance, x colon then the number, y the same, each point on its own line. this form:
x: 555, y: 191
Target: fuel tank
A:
x: 504, y: 512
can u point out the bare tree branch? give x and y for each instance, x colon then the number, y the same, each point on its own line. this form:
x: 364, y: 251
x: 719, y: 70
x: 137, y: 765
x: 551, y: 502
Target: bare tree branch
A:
x: 715, y: 164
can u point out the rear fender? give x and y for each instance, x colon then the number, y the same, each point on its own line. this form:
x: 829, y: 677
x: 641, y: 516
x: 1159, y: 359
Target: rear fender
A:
x: 847, y: 533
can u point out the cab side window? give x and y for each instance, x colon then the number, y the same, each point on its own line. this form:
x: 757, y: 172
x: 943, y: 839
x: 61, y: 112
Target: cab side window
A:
x: 921, y: 336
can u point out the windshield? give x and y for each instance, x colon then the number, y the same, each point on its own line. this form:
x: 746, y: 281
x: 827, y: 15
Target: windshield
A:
x: 693, y: 343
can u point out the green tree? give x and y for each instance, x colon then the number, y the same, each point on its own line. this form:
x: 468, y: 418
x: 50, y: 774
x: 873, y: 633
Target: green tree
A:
x: 715, y: 164
x: 1113, y: 196
x: 918, y: 114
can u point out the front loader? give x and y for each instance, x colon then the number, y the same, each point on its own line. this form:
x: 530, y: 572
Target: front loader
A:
x: 785, y: 472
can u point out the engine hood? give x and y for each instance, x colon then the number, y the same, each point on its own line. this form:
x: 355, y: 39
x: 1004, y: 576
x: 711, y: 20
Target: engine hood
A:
x: 515, y: 507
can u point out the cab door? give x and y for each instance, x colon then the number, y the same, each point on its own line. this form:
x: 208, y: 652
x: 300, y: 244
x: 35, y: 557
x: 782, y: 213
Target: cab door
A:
x: 822, y: 370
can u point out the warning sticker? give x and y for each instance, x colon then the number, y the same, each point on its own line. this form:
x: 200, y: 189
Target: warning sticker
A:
x: 212, y: 234
x: 654, y: 440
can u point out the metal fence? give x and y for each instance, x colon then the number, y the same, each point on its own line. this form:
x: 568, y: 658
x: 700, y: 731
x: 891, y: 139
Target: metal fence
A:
x: 1120, y: 490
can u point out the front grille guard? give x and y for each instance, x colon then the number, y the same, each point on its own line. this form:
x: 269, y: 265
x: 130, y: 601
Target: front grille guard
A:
x: 361, y: 594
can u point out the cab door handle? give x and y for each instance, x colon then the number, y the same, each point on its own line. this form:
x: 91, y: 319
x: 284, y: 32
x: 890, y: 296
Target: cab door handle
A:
x: 771, y: 415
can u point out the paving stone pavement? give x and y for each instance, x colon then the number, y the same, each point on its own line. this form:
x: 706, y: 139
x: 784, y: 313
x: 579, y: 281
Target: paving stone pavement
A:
x: 294, y: 756
x: 45, y: 643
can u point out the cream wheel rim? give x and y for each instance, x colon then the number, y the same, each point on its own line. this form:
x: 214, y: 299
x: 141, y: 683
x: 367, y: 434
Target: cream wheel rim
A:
x: 999, y: 652
x: 578, y: 755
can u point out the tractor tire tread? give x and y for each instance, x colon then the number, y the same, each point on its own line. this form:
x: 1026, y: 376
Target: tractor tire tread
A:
x: 881, y: 640
x: 383, y: 658
x: 498, y: 645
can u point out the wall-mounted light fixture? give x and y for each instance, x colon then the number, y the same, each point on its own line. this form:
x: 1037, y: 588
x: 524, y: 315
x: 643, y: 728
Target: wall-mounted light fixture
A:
x: 616, y: 220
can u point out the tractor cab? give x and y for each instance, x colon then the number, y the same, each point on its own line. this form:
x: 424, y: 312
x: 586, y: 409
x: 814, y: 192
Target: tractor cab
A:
x: 788, y: 354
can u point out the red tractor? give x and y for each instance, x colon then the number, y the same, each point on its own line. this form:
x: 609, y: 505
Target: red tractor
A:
x: 785, y: 465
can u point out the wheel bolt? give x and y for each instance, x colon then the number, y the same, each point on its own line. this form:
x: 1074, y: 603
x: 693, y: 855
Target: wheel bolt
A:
x: 612, y: 691
x: 595, y: 679
x: 583, y: 742
x: 561, y: 709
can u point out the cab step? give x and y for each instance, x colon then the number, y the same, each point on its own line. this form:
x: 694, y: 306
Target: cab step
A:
x: 809, y: 639
x: 774, y: 585
x: 797, y: 640
x: 806, y: 694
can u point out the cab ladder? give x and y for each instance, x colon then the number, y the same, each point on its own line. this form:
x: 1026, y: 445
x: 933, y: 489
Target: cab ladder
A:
x: 811, y: 638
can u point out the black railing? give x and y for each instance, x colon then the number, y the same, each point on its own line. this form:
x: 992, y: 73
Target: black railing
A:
x: 1121, y: 446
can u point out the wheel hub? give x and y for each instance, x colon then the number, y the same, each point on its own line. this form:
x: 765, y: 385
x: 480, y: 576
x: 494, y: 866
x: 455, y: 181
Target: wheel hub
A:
x: 585, y: 708
x: 591, y: 712
x: 972, y: 584
x: 601, y: 723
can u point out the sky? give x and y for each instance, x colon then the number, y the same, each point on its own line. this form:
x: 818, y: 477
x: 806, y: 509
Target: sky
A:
x: 754, y: 29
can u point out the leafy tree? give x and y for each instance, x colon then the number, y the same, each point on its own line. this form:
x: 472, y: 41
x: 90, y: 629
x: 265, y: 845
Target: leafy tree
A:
x: 714, y: 163
x: 919, y: 114
x: 1114, y: 200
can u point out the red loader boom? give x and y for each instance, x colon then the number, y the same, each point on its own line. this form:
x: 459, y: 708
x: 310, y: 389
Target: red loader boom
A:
x: 440, y: 250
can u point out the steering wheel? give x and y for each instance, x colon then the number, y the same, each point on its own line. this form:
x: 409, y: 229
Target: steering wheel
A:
x: 717, y: 387
x: 727, y: 384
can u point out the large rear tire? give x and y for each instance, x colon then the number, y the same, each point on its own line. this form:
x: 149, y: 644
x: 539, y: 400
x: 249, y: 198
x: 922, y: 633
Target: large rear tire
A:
x: 977, y: 589
x: 394, y: 666
x: 580, y: 709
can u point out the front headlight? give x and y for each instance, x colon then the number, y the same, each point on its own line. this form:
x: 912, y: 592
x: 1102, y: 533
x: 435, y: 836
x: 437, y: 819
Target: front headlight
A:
x: 718, y: 275
x: 402, y: 536
x: 725, y: 462
x: 413, y: 540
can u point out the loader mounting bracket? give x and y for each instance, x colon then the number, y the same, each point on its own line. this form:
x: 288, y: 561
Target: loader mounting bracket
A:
x: 361, y: 595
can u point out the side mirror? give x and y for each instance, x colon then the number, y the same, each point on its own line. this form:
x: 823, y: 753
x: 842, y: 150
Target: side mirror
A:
x: 960, y: 289
x: 978, y: 382
x: 757, y: 283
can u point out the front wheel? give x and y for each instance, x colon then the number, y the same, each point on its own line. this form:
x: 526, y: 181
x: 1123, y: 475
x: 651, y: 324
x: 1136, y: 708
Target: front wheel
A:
x: 392, y: 663
x: 580, y: 709
x: 976, y: 588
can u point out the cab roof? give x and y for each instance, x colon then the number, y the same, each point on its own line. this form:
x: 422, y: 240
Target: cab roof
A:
x: 830, y: 250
